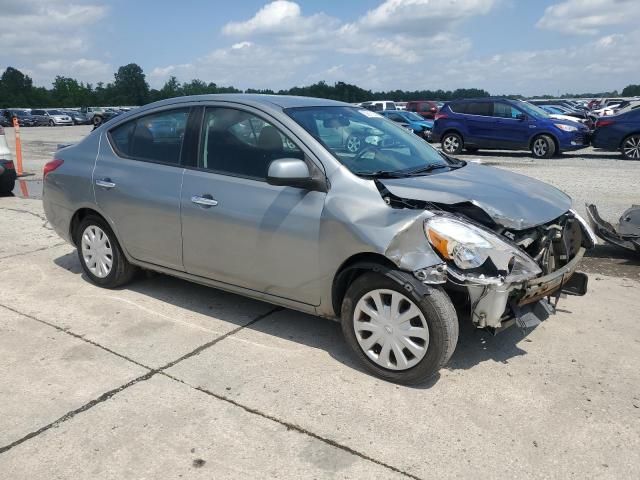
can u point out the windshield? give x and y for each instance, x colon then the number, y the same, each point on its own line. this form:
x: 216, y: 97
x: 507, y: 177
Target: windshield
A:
x: 414, y: 117
x: 54, y: 112
x: 533, y: 110
x: 367, y: 143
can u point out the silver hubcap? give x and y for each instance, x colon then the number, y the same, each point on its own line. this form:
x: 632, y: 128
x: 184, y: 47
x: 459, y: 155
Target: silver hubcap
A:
x: 540, y: 147
x: 451, y: 144
x: 96, y: 251
x: 390, y: 329
x: 353, y: 144
x: 631, y: 147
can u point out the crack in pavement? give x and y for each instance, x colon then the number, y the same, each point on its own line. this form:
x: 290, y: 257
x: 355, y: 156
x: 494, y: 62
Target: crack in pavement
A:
x: 107, y: 395
x: 152, y: 372
x: 37, y: 215
x: 34, y: 251
x: 294, y: 427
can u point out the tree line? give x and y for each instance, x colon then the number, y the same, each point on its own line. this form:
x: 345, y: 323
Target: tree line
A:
x: 129, y: 87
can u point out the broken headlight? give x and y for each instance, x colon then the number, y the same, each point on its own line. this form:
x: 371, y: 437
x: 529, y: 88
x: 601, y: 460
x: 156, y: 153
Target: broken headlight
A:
x: 478, y: 252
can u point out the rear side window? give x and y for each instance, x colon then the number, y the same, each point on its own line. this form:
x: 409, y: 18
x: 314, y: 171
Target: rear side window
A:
x: 480, y: 108
x: 156, y: 137
x: 238, y: 143
x: 459, y: 107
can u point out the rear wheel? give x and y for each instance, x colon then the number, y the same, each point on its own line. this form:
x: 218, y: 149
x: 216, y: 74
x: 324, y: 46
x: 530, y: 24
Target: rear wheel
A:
x: 398, y: 335
x: 543, y: 147
x: 631, y: 147
x: 100, y: 254
x: 452, y: 143
x: 6, y: 184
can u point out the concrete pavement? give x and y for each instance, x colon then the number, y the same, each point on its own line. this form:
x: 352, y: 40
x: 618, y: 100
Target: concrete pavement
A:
x: 168, y: 379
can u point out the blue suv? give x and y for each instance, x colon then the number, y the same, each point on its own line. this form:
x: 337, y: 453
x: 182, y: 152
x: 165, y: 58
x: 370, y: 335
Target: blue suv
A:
x: 500, y: 123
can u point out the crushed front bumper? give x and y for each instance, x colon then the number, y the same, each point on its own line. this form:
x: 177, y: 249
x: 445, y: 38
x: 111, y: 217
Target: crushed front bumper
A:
x: 498, y: 305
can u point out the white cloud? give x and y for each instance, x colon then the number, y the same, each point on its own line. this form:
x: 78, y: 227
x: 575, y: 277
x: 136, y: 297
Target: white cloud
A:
x: 272, y: 17
x: 589, y: 17
x: 40, y: 33
x: 422, y: 16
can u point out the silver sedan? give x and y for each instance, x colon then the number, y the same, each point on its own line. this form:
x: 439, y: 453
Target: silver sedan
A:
x: 263, y: 196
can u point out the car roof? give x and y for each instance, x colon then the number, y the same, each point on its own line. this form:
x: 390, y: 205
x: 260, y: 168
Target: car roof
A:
x: 281, y: 101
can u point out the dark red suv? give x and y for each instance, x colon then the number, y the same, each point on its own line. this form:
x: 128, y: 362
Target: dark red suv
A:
x: 425, y: 108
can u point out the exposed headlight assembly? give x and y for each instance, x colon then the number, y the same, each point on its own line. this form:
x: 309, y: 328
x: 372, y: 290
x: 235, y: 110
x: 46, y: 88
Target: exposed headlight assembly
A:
x: 480, y: 254
x: 566, y: 128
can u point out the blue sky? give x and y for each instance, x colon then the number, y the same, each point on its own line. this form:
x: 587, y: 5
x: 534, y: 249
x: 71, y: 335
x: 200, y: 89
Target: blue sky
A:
x: 504, y: 46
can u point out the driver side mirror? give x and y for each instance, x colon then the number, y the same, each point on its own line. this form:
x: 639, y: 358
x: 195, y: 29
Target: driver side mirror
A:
x: 290, y: 172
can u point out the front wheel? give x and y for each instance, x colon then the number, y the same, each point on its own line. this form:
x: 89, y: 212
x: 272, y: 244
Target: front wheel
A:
x: 397, y: 334
x: 631, y: 147
x: 543, y: 147
x: 52, y: 123
x: 100, y: 254
x: 452, y: 143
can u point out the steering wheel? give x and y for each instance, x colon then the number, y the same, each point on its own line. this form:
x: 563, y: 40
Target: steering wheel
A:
x: 368, y: 148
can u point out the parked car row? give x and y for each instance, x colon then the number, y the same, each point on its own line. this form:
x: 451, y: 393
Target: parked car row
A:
x: 37, y: 117
x: 505, y: 124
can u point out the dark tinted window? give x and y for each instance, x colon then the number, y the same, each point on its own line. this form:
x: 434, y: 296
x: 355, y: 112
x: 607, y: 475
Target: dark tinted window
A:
x: 396, y: 117
x: 239, y: 143
x: 459, y: 107
x: 480, y: 108
x: 157, y: 137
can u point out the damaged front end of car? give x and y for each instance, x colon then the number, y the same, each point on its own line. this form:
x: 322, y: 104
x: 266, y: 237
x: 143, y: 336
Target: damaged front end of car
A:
x: 506, y: 276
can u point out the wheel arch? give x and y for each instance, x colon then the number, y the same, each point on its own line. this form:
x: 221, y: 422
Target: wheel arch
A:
x: 352, y: 268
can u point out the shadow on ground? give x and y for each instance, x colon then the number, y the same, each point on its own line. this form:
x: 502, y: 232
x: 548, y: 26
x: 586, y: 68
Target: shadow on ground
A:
x: 474, y: 346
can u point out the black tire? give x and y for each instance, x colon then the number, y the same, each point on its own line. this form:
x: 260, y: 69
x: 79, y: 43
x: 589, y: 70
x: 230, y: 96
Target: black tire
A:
x: 97, y: 120
x: 121, y: 270
x: 543, y: 146
x: 452, y: 143
x: 630, y: 147
x: 52, y: 123
x: 7, y: 184
x: 440, y: 316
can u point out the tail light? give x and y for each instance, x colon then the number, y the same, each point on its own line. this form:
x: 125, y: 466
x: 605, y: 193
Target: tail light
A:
x: 440, y: 115
x: 9, y: 165
x: 51, y: 166
x: 604, y: 122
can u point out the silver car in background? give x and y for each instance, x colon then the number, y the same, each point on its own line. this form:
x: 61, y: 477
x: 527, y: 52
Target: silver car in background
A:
x: 254, y: 195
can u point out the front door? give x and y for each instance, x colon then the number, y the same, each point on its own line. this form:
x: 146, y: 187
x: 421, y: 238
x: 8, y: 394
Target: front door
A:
x: 238, y: 229
x: 513, y: 132
x: 137, y: 181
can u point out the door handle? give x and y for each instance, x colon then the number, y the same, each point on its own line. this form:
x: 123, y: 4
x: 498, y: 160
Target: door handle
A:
x: 204, y: 200
x: 105, y: 183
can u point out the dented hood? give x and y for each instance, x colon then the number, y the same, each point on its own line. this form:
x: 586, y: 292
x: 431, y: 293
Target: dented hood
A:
x: 511, y: 200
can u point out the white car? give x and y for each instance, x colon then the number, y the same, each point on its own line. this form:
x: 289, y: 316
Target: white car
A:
x: 567, y: 117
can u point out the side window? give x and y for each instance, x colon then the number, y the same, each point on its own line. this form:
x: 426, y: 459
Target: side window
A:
x: 504, y: 110
x: 156, y: 137
x: 396, y: 118
x: 241, y: 144
x: 480, y: 108
x: 459, y: 107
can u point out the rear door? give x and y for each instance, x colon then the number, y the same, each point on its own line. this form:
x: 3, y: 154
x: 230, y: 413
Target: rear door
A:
x: 481, y: 126
x: 137, y: 181
x: 237, y: 228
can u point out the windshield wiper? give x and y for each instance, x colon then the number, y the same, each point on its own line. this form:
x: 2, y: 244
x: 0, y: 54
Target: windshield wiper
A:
x: 427, y: 169
x: 383, y: 174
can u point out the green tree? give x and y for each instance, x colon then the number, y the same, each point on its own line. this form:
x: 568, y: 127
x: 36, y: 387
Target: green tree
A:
x: 631, y: 91
x: 171, y: 88
x: 130, y: 86
x: 16, y: 88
